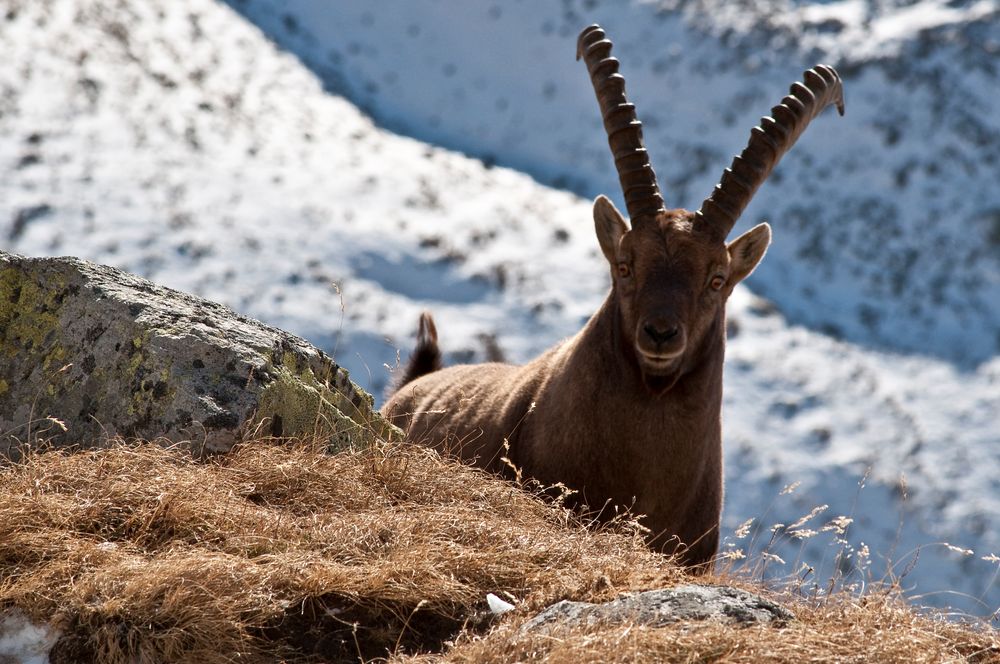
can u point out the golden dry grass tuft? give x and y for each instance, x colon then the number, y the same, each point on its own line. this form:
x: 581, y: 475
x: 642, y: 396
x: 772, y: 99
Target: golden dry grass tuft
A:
x: 285, y: 553
x: 144, y: 553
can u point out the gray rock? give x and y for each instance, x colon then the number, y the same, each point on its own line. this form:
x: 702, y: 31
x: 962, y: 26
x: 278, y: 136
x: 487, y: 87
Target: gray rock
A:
x: 656, y: 608
x: 107, y: 353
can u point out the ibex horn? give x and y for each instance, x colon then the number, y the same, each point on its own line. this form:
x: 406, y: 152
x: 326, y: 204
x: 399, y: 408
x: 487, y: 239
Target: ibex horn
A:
x: 642, y: 195
x: 768, y: 143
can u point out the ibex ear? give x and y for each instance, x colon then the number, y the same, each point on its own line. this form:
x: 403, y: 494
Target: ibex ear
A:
x: 746, y: 251
x: 610, y: 226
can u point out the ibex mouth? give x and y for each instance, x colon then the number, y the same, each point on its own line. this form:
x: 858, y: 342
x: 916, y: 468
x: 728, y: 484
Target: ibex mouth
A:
x: 659, y: 361
x: 661, y: 358
x: 660, y: 370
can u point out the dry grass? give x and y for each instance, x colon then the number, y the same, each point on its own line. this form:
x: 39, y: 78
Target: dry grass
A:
x: 281, y: 552
x: 142, y: 552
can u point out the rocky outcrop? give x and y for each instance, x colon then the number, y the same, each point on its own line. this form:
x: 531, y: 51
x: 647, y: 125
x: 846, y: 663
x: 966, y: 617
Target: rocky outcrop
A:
x: 88, y: 352
x: 656, y: 608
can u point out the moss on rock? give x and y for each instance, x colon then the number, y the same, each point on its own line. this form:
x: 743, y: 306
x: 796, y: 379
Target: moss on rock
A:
x: 27, y: 313
x: 289, y: 406
x: 108, y: 353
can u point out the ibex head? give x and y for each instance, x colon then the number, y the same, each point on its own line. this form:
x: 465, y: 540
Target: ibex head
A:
x: 673, y: 271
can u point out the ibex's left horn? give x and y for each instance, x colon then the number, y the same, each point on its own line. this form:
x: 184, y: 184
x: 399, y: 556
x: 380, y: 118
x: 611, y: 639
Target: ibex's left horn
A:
x: 642, y: 195
x: 768, y: 143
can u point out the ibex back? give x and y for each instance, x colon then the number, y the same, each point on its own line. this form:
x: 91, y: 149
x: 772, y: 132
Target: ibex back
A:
x: 626, y: 412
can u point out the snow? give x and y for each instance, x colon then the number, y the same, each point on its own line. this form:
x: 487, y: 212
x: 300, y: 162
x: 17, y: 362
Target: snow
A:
x: 865, y: 37
x: 174, y: 140
x: 23, y: 641
x: 875, y: 194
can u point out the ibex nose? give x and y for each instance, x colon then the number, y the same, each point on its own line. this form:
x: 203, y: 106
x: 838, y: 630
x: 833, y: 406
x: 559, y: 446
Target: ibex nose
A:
x: 660, y: 333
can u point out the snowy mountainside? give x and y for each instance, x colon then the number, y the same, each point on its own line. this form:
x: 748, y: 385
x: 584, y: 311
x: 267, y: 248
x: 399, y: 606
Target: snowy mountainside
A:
x: 173, y: 140
x: 888, y: 219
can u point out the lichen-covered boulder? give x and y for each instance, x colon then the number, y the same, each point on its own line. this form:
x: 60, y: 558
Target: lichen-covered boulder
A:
x: 656, y: 608
x: 88, y: 352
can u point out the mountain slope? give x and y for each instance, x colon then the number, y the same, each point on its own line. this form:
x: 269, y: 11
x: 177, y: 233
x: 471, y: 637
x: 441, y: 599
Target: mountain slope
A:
x: 173, y: 140
x: 889, y: 219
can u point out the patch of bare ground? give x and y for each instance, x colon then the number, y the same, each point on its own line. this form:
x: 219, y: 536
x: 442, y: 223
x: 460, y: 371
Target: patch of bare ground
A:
x: 281, y: 552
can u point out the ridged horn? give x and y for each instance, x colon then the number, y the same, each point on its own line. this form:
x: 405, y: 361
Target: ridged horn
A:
x: 642, y: 195
x: 768, y: 143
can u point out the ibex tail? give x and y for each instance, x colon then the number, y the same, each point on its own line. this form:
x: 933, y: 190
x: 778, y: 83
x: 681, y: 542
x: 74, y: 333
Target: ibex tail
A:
x: 426, y: 356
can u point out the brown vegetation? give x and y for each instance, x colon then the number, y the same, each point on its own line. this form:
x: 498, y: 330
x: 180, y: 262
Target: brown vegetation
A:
x: 138, y: 551
x: 275, y: 552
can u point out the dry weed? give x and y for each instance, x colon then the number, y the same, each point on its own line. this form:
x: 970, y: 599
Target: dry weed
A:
x: 141, y: 553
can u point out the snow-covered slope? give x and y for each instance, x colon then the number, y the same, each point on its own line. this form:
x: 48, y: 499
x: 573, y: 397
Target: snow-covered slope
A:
x: 172, y: 139
x: 888, y: 219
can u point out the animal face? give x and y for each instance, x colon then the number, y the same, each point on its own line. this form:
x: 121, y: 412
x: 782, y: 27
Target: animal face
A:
x: 672, y: 277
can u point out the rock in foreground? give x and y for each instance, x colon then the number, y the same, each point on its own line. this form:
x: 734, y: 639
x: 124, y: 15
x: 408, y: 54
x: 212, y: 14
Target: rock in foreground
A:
x: 656, y: 608
x: 88, y: 352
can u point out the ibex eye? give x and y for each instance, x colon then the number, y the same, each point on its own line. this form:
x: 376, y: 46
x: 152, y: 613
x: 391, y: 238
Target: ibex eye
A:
x: 624, y: 270
x: 718, y: 281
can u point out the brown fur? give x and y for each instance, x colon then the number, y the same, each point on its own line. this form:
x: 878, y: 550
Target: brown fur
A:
x: 627, y: 412
x: 595, y: 415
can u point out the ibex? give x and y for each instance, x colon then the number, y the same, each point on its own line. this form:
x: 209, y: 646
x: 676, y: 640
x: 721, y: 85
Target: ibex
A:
x: 628, y: 411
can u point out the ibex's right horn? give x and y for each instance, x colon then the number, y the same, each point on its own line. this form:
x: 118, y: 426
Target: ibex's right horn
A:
x: 642, y: 195
x: 768, y: 143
